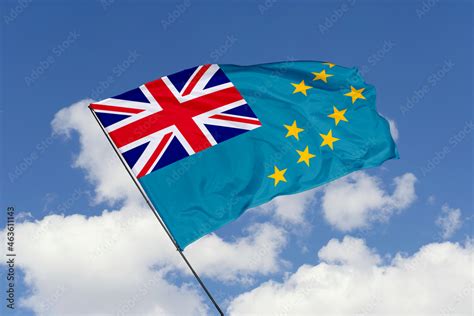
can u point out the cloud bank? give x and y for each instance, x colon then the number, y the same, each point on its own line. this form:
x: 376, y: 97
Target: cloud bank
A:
x: 449, y: 221
x: 358, y: 200
x: 120, y: 262
x: 352, y: 280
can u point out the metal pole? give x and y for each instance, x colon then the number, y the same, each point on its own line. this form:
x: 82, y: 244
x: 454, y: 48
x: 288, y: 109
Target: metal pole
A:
x: 152, y: 207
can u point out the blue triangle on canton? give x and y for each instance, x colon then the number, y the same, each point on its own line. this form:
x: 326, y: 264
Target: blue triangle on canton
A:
x: 108, y: 119
x: 179, y: 79
x: 222, y: 133
x: 243, y: 110
x: 132, y: 155
x: 173, y: 153
x: 218, y: 79
x: 133, y: 95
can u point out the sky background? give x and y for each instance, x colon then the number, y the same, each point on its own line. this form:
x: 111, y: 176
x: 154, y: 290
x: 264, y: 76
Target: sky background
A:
x: 417, y: 54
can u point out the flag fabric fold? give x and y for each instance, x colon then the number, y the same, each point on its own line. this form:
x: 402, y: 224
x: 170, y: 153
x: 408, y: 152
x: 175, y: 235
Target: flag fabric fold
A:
x: 209, y: 142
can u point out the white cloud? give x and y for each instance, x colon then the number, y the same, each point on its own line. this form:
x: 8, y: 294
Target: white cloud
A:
x: 351, y: 251
x: 238, y: 261
x: 96, y: 157
x: 358, y: 200
x: 350, y: 280
x: 290, y: 209
x: 449, y: 221
x: 113, y: 184
x: 431, y: 200
x: 393, y: 129
x: 118, y: 262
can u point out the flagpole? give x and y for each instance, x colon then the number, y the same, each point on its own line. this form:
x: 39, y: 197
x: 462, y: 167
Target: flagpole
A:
x: 152, y: 207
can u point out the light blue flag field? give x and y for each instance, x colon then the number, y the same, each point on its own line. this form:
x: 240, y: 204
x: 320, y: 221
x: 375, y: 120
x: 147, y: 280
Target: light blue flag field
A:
x: 209, y: 142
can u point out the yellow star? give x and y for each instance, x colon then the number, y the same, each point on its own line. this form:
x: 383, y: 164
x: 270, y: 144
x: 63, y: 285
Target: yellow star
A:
x: 338, y: 115
x: 293, y: 130
x: 330, y: 64
x: 300, y: 87
x: 278, y: 175
x: 321, y: 76
x: 355, y: 94
x: 305, y: 155
x: 328, y: 139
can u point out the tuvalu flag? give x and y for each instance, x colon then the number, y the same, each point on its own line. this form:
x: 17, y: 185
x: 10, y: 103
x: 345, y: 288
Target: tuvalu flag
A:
x: 209, y: 142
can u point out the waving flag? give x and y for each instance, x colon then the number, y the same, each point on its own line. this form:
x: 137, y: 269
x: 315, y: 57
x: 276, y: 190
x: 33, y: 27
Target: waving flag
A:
x: 209, y: 142
x: 174, y: 117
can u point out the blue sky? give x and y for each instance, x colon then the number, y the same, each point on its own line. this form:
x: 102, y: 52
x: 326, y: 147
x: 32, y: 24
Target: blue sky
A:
x: 417, y: 54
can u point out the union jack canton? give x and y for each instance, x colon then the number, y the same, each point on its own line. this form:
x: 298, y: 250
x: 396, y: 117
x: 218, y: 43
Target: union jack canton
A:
x: 174, y: 117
